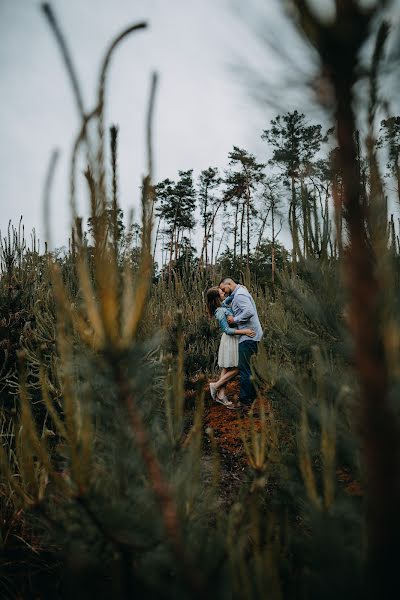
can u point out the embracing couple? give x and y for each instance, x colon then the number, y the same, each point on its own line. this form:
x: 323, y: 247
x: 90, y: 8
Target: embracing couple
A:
x: 234, y: 308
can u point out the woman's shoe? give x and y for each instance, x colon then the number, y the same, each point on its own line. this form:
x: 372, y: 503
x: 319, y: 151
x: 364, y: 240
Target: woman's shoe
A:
x: 213, y: 391
x: 226, y: 402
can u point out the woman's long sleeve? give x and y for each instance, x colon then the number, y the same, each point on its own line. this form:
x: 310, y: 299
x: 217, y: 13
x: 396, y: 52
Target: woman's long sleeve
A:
x: 223, y: 323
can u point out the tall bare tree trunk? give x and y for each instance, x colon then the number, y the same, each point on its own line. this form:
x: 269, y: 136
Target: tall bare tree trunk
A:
x: 210, y: 225
x: 235, y: 232
x: 241, y: 236
x: 304, y: 199
x: 177, y: 240
x: 212, y: 242
x: 261, y: 233
x: 205, y: 241
x: 248, y: 232
x: 163, y: 253
x: 156, y: 238
x: 293, y: 226
x: 219, y: 245
x: 172, y: 243
x: 273, y: 251
x: 337, y: 193
x: 171, y: 250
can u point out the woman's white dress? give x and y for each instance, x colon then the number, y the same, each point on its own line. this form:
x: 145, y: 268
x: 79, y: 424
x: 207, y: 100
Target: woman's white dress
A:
x: 228, y: 354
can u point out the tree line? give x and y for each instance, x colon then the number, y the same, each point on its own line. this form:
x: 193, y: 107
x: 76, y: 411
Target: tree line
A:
x: 246, y: 206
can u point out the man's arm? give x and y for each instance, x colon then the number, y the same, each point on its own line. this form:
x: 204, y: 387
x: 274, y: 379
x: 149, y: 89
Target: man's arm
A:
x: 246, y: 309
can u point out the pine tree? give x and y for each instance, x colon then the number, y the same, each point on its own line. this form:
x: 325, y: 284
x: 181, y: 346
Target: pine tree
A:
x: 295, y: 144
x: 210, y: 204
x: 242, y: 182
x: 176, y: 208
x: 390, y: 139
x: 273, y: 203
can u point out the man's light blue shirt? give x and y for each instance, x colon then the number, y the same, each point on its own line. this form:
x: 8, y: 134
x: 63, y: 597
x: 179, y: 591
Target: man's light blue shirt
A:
x: 245, y: 313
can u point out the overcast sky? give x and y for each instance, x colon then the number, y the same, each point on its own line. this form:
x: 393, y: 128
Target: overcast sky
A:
x: 203, y: 105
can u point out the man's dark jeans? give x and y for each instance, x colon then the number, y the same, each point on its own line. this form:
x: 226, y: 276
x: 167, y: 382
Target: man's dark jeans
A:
x: 247, y: 390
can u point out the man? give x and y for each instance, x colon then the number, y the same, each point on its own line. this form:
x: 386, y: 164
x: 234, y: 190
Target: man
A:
x: 245, y: 317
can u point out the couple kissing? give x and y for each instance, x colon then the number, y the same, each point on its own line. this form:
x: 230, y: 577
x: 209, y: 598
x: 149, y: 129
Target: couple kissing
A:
x: 235, y: 310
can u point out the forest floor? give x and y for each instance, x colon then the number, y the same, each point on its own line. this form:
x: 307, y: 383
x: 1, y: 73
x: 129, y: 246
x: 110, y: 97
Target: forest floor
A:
x: 231, y: 426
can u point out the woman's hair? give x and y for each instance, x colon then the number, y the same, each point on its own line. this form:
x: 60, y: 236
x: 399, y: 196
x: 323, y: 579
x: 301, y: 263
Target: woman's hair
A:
x: 213, y: 300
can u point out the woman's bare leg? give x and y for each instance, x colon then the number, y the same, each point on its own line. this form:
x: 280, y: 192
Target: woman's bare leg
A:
x: 221, y: 389
x: 219, y: 386
x: 226, y: 375
x: 223, y: 372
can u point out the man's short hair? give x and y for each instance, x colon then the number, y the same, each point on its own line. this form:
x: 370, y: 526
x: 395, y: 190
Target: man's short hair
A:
x: 227, y: 279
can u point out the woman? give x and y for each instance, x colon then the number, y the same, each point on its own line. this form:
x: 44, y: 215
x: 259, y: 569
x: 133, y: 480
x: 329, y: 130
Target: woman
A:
x: 228, y: 354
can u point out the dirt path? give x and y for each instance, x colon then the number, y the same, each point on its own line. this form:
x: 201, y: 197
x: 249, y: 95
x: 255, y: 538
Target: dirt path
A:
x: 230, y: 425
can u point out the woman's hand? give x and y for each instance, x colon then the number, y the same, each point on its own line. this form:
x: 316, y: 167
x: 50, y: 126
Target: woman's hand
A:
x: 248, y: 332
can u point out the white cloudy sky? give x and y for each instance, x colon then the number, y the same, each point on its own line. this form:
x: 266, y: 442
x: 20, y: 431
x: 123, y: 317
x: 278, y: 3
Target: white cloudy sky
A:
x: 203, y: 105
